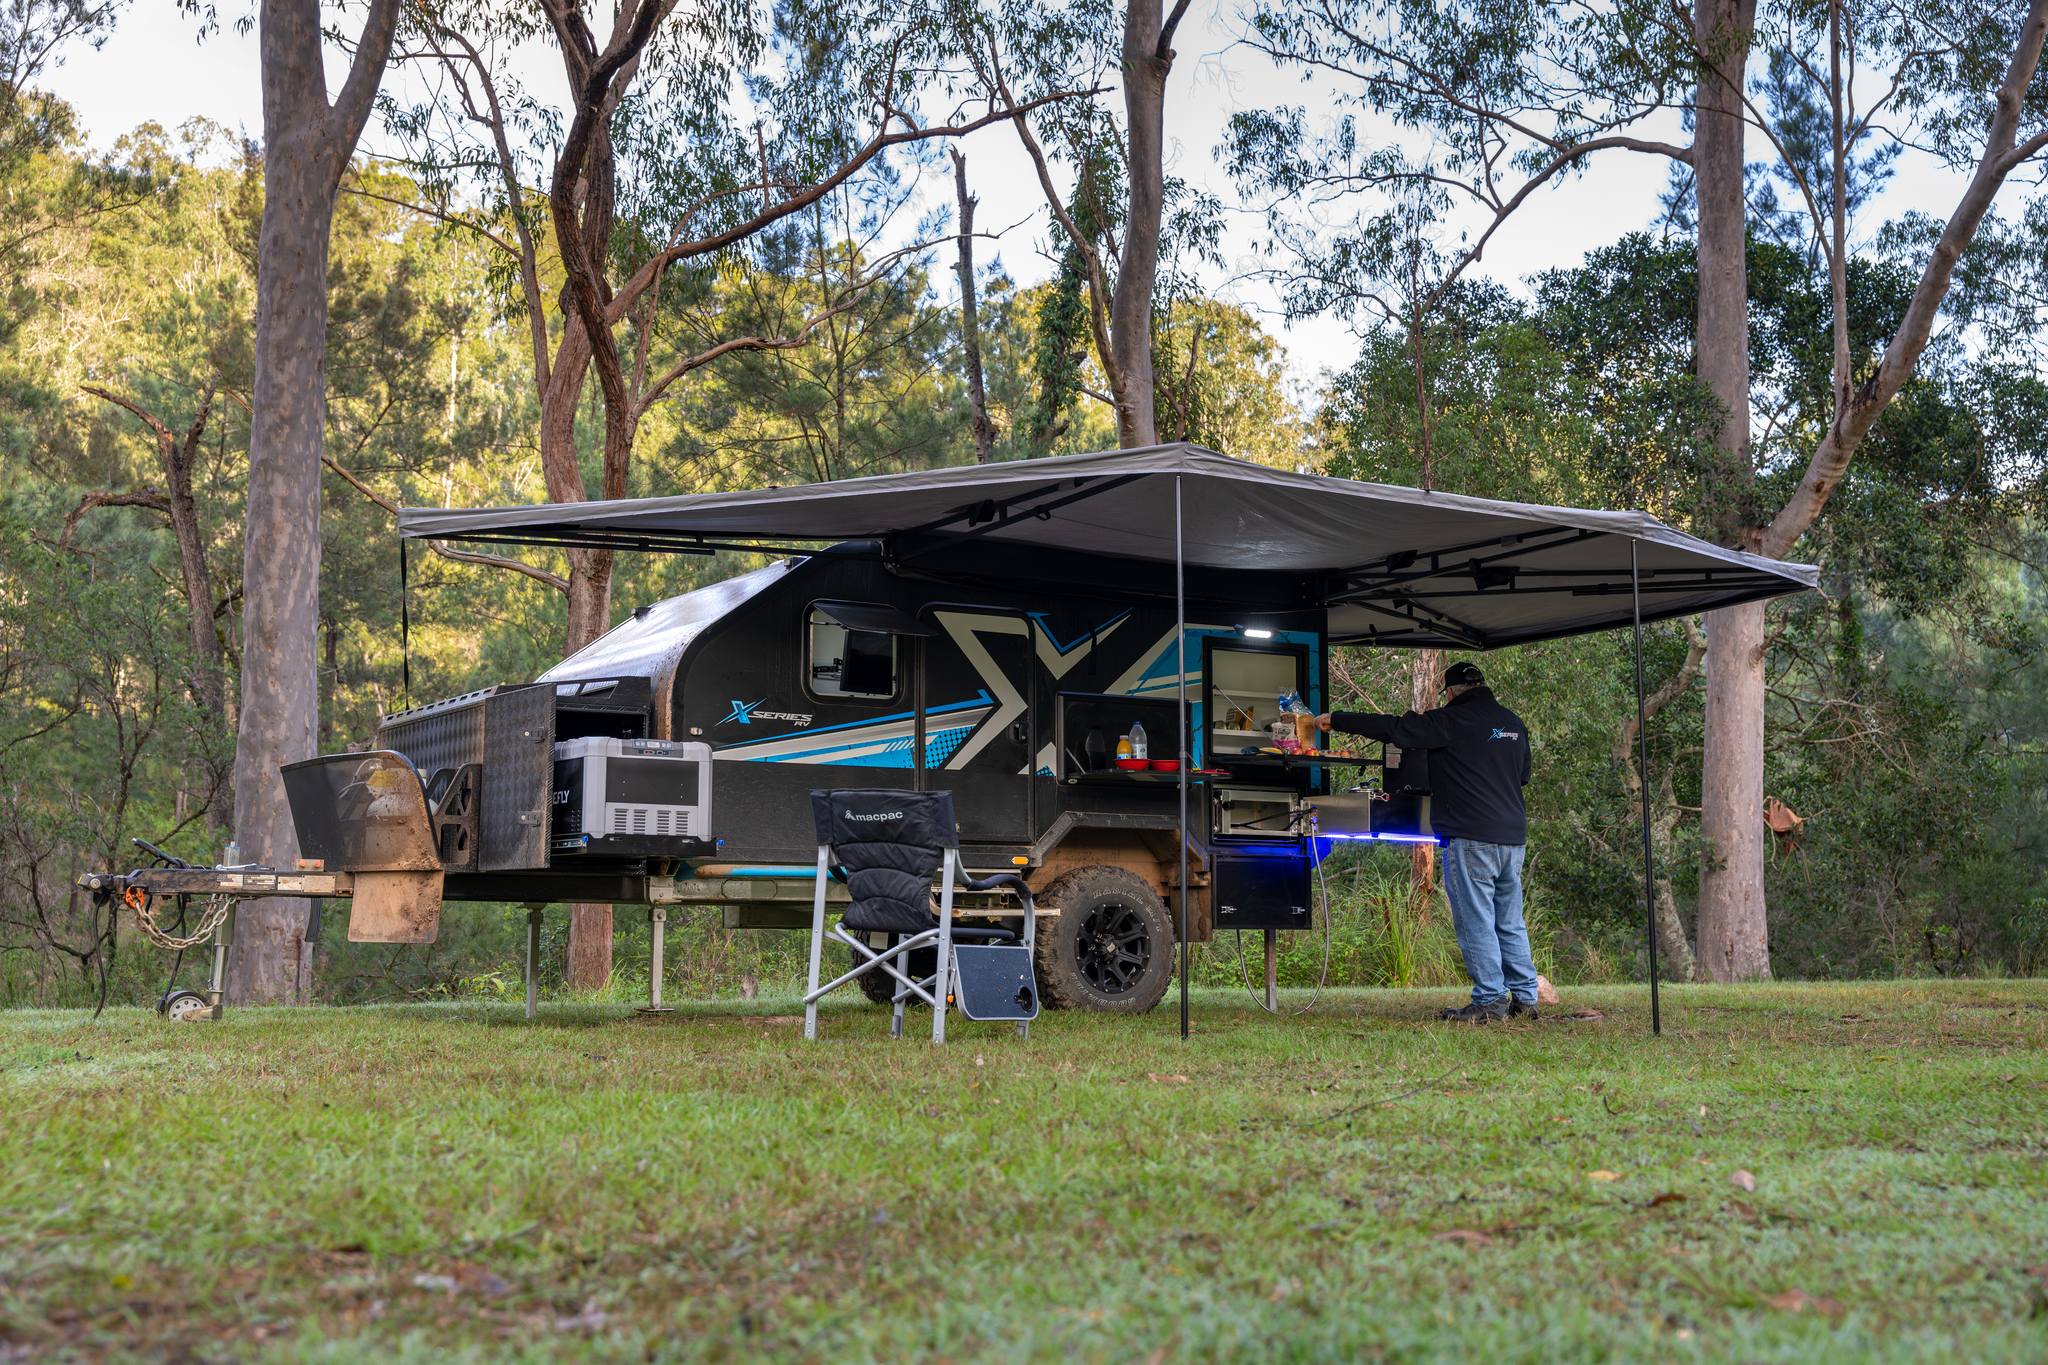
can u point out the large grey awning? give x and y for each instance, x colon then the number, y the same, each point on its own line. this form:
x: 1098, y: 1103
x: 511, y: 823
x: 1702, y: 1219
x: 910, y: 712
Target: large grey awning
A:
x: 1391, y: 565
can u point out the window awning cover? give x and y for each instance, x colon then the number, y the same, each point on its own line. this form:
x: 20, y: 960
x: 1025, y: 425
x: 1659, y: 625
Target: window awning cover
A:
x: 875, y: 617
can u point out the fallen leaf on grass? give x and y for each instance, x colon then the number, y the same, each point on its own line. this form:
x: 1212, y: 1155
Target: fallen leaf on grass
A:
x: 1743, y: 1211
x: 1471, y: 1237
x: 589, y: 1320
x: 1744, y: 1181
x: 1668, y: 1197
x: 1603, y: 1175
x: 1590, y: 1016
x: 1169, y: 1079
x: 1799, y: 1301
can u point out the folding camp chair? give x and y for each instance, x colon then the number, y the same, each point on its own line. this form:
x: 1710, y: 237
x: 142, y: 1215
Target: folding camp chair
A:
x: 887, y: 846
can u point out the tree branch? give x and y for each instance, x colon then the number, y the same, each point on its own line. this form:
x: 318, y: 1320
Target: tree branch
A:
x: 1856, y: 411
x: 152, y: 498
x: 519, y: 566
x: 351, y: 108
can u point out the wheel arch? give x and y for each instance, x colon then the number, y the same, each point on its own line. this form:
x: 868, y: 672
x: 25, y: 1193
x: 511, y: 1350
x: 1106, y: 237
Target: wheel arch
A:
x: 1140, y: 844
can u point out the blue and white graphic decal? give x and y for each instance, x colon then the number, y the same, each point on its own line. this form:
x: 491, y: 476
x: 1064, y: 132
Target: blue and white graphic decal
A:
x: 747, y: 712
x: 884, y: 742
x: 957, y: 732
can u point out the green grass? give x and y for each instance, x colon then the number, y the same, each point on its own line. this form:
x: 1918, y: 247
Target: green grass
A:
x: 442, y: 1182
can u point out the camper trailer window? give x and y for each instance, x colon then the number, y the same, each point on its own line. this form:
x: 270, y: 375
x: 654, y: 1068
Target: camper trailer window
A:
x: 850, y: 663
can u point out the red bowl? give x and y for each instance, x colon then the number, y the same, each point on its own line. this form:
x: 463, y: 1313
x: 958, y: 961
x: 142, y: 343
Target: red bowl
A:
x: 1133, y: 765
x: 1165, y: 765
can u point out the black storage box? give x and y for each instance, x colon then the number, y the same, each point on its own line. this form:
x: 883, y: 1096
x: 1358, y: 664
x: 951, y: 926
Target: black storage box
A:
x: 1261, y: 890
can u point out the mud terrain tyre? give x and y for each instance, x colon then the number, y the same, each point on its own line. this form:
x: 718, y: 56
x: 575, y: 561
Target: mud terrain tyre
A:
x: 1111, y: 946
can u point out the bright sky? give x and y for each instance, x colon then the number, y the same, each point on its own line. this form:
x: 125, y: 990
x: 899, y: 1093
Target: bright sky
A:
x: 154, y: 68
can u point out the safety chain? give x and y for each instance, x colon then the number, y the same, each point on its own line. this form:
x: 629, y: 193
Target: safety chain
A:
x: 144, y: 906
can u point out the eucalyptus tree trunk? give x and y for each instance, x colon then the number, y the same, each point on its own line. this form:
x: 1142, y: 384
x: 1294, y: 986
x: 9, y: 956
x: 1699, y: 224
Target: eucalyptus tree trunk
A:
x: 306, y: 147
x: 1147, y: 58
x: 1733, y: 938
x: 970, y: 318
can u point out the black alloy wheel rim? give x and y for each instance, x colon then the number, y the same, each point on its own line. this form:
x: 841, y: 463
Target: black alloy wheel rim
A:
x: 1113, y: 948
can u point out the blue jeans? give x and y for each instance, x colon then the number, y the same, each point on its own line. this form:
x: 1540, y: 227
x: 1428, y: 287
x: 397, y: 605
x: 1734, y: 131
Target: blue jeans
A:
x: 1484, y: 884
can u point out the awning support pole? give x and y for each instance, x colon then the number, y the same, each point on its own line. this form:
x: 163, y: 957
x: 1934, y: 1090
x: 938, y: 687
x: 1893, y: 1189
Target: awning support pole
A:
x: 1180, y: 654
x: 1643, y: 788
x: 404, y: 624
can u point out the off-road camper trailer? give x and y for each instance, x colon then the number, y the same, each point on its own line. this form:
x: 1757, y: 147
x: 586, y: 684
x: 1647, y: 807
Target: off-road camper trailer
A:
x: 843, y: 668
x: 1013, y: 634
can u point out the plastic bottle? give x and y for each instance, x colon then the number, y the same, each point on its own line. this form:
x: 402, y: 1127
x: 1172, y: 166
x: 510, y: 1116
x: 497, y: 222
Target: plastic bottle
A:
x: 1138, y: 749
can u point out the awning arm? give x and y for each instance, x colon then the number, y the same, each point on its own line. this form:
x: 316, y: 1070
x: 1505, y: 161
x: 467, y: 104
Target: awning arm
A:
x: 984, y: 517
x: 1569, y: 589
x: 1438, y: 568
x: 1402, y: 559
x: 1448, y: 626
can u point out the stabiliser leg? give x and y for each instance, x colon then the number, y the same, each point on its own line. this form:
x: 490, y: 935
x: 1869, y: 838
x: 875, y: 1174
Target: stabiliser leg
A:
x: 532, y: 960
x: 657, y: 927
x: 217, y: 976
x: 1272, y: 970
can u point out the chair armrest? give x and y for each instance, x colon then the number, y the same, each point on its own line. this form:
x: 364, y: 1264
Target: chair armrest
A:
x: 997, y: 880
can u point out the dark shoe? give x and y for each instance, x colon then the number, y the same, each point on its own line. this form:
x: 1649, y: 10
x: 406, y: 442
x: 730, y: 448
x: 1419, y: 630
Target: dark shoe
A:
x: 1523, y: 1009
x: 1476, y: 1013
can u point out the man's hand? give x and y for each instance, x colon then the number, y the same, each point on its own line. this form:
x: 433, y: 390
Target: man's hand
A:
x: 1323, y: 722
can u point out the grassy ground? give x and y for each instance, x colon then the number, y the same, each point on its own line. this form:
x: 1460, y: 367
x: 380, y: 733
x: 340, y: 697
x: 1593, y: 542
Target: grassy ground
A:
x: 434, y: 1182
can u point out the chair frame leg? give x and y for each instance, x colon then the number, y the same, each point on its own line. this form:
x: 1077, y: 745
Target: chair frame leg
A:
x: 866, y: 959
x: 944, y: 980
x: 817, y: 948
x: 1030, y: 942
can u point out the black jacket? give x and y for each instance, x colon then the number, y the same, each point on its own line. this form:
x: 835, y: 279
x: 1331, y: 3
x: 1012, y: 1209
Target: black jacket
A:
x: 1478, y: 763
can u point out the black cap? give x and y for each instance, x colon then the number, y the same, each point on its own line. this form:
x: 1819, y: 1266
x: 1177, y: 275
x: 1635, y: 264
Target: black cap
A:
x: 1463, y: 675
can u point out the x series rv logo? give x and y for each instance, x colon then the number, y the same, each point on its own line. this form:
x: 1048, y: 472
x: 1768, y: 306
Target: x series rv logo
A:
x: 1499, y: 733
x: 747, y: 712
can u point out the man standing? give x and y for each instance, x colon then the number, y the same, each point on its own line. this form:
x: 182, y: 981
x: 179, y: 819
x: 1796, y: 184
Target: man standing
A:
x: 1478, y: 764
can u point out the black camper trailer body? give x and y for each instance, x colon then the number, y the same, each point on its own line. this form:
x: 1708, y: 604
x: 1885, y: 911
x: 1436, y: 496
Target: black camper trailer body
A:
x: 851, y: 668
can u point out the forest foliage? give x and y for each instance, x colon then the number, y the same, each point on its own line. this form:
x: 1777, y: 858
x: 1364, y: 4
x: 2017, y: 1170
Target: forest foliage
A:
x: 1908, y: 699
